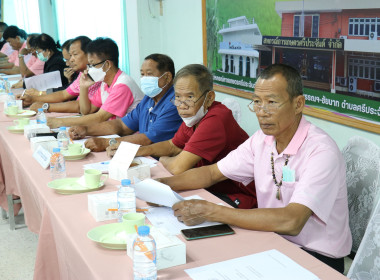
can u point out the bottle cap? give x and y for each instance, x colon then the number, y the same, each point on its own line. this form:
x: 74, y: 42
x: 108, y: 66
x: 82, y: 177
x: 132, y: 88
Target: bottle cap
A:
x: 62, y: 128
x: 143, y: 230
x: 56, y: 150
x: 125, y: 182
x: 40, y: 110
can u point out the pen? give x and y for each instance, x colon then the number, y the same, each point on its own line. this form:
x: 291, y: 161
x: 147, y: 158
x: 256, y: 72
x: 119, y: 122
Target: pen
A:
x: 141, y: 210
x: 22, y: 94
x: 105, y: 162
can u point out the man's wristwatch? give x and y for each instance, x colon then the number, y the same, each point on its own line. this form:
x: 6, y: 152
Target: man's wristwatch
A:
x: 112, y: 141
x: 21, y: 55
x: 45, y: 107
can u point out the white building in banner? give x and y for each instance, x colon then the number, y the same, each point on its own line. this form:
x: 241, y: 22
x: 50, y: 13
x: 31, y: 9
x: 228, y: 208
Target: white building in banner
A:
x: 237, y: 49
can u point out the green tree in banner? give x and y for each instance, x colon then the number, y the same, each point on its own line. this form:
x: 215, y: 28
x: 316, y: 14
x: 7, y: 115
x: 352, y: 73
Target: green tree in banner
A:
x: 212, y: 35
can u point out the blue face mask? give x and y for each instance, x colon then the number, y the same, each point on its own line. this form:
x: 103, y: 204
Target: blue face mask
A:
x: 149, y: 86
x: 41, y: 57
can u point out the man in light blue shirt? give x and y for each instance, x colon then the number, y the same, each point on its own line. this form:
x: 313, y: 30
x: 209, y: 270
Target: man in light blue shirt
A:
x: 155, y: 117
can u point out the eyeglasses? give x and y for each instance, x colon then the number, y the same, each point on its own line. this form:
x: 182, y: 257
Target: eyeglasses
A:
x: 255, y: 106
x: 96, y: 64
x: 188, y: 103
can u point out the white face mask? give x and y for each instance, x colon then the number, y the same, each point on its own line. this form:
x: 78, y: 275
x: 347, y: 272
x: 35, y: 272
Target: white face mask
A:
x: 97, y: 74
x: 191, y: 121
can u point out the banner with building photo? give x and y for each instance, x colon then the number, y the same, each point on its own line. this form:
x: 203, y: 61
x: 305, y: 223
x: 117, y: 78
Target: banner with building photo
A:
x: 335, y: 45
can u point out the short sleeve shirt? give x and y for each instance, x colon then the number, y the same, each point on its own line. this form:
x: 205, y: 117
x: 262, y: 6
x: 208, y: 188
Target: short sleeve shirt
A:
x: 35, y: 65
x: 121, y: 97
x: 319, y: 184
x: 74, y: 88
x: 216, y: 135
x: 7, y: 49
x: 158, y: 122
x: 13, y: 57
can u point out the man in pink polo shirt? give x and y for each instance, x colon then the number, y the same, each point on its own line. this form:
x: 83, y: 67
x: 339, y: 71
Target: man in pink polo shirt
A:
x: 298, y: 171
x: 17, y: 40
x: 63, y: 101
x: 117, y: 95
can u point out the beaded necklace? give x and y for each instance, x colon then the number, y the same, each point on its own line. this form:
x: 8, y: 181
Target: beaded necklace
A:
x: 278, y: 193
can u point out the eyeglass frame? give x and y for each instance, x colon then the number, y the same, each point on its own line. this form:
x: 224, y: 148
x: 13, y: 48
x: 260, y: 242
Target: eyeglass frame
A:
x: 96, y: 64
x: 265, y: 107
x: 174, y: 100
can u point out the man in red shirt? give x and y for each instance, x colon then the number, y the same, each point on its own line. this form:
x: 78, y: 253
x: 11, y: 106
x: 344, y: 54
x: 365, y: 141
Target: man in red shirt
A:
x: 208, y: 133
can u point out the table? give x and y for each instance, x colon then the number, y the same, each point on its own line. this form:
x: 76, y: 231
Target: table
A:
x: 62, y: 221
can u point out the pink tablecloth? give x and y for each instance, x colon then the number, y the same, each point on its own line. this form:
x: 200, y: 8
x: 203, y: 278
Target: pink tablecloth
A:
x: 65, y: 252
x: 62, y: 221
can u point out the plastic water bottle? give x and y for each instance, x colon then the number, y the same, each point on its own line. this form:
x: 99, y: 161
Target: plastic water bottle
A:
x: 6, y: 85
x: 57, y: 165
x: 11, y: 100
x: 63, y: 139
x: 126, y: 199
x: 41, y: 117
x: 144, y: 255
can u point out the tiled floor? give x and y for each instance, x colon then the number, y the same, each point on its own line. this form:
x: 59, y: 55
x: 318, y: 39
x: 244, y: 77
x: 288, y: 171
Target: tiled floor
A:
x: 17, y: 251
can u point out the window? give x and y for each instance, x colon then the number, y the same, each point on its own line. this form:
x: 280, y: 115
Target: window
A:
x: 296, y: 26
x: 94, y: 18
x: 363, y: 26
x: 28, y: 15
x: 364, y: 68
x: 310, y: 26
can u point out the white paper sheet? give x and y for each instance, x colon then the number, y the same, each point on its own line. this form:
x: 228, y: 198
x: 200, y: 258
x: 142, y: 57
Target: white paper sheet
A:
x: 44, y: 81
x: 118, y: 167
x: 164, y: 219
x: 266, y: 265
x: 155, y: 192
x: 81, y: 141
x: 101, y: 166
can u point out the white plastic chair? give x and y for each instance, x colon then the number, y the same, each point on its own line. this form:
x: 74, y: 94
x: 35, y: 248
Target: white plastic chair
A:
x: 234, y: 106
x: 362, y: 174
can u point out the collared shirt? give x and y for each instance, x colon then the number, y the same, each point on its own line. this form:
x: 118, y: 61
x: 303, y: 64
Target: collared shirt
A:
x: 320, y: 184
x: 13, y: 57
x: 35, y: 65
x: 74, y: 88
x: 121, y: 97
x: 158, y: 122
x: 7, y: 49
x: 216, y: 135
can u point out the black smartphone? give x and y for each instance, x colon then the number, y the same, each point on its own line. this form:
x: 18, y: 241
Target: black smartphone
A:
x: 204, y: 232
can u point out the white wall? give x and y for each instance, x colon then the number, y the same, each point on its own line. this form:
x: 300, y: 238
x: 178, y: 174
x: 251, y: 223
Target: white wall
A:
x: 178, y: 33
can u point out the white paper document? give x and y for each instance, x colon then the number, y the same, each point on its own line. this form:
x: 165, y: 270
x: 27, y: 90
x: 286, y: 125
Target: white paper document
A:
x: 268, y: 265
x: 81, y: 141
x: 164, y: 219
x: 44, y: 81
x: 118, y: 167
x: 155, y: 192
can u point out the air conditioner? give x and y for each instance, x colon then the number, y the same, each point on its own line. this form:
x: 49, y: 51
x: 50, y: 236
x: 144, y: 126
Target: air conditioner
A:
x: 352, y: 84
x: 372, y: 36
x: 377, y: 86
x: 343, y: 81
x: 342, y: 37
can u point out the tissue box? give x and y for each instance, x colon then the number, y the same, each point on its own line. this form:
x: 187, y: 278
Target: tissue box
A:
x: 118, y: 172
x: 35, y: 128
x: 47, y: 142
x: 98, y: 205
x: 171, y: 251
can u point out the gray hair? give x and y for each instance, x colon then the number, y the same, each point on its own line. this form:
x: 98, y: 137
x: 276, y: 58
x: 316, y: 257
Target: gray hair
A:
x: 201, y: 74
